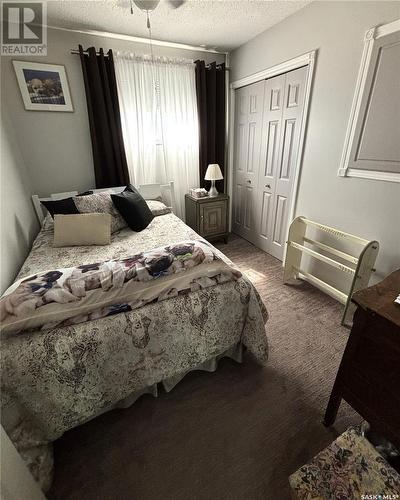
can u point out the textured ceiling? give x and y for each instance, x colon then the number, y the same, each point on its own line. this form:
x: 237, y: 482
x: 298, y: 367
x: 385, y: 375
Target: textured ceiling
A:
x: 220, y: 24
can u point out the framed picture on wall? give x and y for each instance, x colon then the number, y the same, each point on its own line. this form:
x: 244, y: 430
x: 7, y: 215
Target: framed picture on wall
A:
x: 44, y: 87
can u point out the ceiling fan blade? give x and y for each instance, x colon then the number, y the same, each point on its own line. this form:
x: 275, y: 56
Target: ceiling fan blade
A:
x: 175, y: 4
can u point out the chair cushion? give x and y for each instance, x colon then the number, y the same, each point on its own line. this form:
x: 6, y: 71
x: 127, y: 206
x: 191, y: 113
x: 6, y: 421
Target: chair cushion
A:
x: 350, y: 467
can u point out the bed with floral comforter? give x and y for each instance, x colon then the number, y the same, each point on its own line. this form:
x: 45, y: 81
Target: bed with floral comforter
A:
x: 55, y: 379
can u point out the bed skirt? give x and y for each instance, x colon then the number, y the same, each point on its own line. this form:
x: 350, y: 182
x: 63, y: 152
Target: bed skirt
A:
x: 41, y: 458
x: 235, y: 352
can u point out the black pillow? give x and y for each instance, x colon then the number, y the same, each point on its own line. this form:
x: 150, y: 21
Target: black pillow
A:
x: 133, y: 208
x: 131, y: 188
x: 65, y: 206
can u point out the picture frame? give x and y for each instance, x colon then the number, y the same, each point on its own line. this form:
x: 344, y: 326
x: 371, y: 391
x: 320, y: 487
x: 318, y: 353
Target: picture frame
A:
x: 44, y: 87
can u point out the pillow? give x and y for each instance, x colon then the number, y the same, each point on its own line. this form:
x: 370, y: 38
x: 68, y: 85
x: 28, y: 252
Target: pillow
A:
x: 133, y: 208
x: 100, y: 203
x: 158, y: 207
x: 64, y: 206
x: 82, y: 229
x: 48, y: 223
x: 131, y: 188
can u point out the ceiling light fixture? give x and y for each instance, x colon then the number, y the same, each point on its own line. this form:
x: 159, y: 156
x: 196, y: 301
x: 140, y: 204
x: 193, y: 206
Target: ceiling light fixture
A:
x: 150, y: 5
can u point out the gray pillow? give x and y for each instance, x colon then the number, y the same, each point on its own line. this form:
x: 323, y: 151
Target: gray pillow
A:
x: 100, y: 203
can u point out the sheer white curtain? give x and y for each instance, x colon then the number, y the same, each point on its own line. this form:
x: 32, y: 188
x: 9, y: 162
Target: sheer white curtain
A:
x: 159, y: 121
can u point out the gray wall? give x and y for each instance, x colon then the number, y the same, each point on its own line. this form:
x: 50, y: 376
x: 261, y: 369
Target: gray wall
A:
x: 18, y: 224
x: 364, y: 207
x: 56, y: 146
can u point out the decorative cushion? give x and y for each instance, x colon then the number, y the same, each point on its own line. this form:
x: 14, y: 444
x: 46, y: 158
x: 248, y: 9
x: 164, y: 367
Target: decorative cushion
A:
x: 48, y: 223
x: 350, y: 467
x: 133, y: 208
x: 131, y: 188
x: 100, y: 203
x: 82, y: 229
x: 64, y: 206
x: 158, y: 207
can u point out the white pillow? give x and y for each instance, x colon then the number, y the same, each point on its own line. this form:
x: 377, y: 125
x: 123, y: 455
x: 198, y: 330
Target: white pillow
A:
x: 82, y: 229
x: 158, y: 207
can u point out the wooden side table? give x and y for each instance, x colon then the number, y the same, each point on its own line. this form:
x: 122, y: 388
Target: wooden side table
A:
x: 208, y: 216
x: 369, y: 373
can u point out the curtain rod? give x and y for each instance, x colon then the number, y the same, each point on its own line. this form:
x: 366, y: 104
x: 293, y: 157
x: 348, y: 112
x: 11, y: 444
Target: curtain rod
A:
x: 76, y: 52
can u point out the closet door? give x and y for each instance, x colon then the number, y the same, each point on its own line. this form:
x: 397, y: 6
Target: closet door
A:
x: 248, y: 125
x: 292, y: 114
x: 270, y: 157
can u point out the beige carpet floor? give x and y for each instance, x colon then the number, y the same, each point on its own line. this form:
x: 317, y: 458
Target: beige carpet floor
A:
x: 235, y: 434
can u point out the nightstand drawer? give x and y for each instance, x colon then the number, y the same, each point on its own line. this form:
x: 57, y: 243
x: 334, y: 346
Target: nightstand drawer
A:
x: 213, y: 218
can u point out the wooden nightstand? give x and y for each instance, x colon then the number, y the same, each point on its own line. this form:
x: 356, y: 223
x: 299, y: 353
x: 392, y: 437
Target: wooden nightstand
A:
x: 208, y: 216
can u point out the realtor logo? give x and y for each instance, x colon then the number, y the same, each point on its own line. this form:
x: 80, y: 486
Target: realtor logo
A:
x: 24, y: 30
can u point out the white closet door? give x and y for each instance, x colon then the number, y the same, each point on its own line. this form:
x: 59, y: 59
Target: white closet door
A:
x: 292, y: 113
x: 270, y: 157
x: 248, y: 125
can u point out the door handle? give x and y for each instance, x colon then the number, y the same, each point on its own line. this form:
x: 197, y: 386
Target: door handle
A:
x: 248, y: 181
x: 268, y: 186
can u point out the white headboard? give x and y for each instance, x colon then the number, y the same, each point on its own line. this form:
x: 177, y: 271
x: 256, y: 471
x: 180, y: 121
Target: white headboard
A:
x: 149, y: 192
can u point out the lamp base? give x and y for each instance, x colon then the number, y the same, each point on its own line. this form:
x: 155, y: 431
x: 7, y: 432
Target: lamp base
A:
x: 213, y: 190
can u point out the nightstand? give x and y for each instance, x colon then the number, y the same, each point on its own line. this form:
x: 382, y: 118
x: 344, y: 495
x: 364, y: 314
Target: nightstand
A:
x: 208, y: 216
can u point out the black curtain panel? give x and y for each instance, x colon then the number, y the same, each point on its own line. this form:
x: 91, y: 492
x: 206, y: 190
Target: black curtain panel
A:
x: 110, y: 166
x: 210, y: 88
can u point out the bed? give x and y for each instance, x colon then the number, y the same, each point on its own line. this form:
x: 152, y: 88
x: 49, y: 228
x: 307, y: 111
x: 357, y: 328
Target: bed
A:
x: 57, y: 379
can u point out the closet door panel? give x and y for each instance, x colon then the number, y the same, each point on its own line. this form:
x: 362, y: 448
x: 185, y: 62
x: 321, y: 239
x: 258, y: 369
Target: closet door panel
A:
x: 253, y: 157
x: 266, y: 209
x: 248, y: 125
x: 255, y: 113
x: 273, y: 105
x: 286, y: 165
x: 240, y: 163
x: 269, y: 158
x: 254, y: 123
x: 272, y: 149
x: 241, y: 150
x: 238, y: 205
x: 249, y: 208
x: 279, y: 218
x: 292, y: 113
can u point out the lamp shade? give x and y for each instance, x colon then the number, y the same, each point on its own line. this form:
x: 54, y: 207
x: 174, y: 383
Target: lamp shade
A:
x: 213, y: 173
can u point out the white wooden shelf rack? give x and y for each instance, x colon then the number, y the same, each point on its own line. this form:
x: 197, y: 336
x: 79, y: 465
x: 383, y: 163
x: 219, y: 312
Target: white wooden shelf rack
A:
x: 359, y: 266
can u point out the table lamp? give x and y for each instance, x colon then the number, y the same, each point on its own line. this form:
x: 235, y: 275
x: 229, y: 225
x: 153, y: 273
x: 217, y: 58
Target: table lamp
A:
x: 213, y: 174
